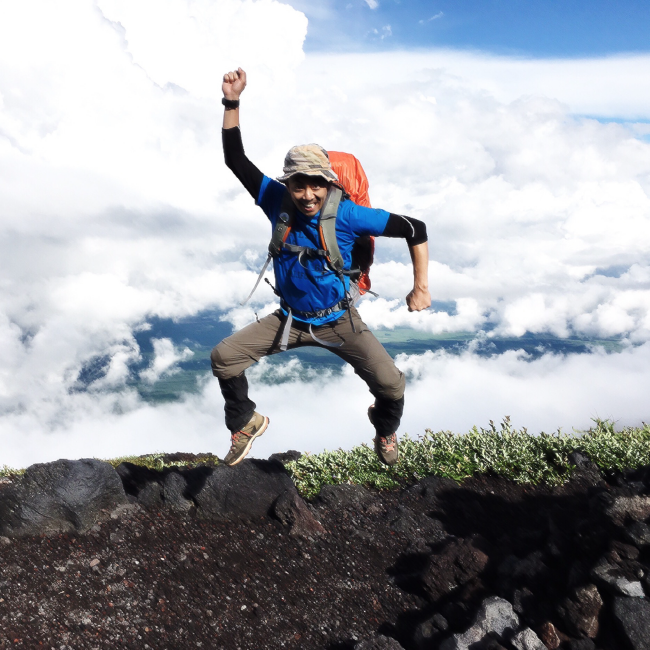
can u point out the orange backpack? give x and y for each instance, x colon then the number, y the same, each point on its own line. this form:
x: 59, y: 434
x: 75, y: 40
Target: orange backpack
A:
x: 355, y: 183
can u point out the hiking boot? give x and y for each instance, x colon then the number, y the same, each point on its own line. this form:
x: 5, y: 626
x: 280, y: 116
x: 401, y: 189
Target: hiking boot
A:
x: 242, y: 440
x: 385, y: 446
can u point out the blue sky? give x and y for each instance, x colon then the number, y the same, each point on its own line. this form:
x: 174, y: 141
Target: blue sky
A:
x: 550, y: 28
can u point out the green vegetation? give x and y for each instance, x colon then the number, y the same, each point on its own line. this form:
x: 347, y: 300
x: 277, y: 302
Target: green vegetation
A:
x: 157, y: 461
x: 10, y: 472
x: 507, y: 452
x: 161, y: 461
x: 504, y: 451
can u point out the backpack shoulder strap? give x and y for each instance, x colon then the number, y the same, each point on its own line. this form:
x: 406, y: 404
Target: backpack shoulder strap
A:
x: 327, y: 228
x: 283, y: 225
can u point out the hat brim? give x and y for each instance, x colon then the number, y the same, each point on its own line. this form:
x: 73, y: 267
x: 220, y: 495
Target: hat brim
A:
x: 327, y: 174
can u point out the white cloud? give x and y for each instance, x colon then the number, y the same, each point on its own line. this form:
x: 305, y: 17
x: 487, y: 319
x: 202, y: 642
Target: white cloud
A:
x: 116, y: 204
x: 382, y: 313
x: 606, y: 87
x: 440, y: 14
x: 385, y: 32
x: 373, y: 4
x: 444, y: 392
x: 166, y: 358
x: 553, y: 391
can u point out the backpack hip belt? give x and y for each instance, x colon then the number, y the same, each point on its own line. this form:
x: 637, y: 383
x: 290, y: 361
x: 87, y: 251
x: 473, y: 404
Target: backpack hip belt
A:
x: 286, y: 327
x: 342, y: 305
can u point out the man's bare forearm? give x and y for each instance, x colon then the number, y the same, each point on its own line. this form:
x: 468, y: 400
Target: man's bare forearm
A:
x: 230, y: 118
x: 419, y: 298
x: 420, y: 259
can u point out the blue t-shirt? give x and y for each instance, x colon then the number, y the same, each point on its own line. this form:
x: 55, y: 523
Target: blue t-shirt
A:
x: 316, y: 287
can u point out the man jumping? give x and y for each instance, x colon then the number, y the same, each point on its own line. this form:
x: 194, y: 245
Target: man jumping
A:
x: 313, y: 283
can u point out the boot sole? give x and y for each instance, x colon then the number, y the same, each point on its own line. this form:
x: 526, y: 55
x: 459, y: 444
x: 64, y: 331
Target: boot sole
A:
x: 247, y: 448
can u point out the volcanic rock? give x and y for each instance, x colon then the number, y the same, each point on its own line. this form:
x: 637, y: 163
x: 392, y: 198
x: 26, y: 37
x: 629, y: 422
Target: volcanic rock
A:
x: 286, y: 456
x: 293, y: 512
x: 495, y: 616
x: 428, y: 630
x: 491, y: 644
x: 378, y: 642
x: 429, y: 487
x: 150, y: 495
x: 456, y: 564
x: 345, y: 496
x: 609, y: 575
x: 403, y: 519
x: 242, y: 492
x: 633, y: 616
x: 580, y: 613
x: 514, y: 570
x: 174, y: 490
x: 63, y: 496
x: 622, y: 508
x: 581, y: 644
x: 522, y: 599
x: 639, y: 534
x: 527, y: 640
x: 586, y: 473
x: 136, y: 478
x: 549, y: 636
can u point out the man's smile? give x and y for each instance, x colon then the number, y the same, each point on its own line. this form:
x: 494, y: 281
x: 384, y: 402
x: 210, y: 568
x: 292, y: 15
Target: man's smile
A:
x: 311, y: 207
x: 308, y: 193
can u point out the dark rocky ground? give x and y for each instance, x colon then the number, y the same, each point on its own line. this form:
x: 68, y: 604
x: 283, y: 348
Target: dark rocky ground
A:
x: 233, y: 558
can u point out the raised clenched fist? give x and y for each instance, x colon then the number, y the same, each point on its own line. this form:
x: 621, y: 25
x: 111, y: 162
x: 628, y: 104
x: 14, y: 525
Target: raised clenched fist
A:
x: 234, y: 84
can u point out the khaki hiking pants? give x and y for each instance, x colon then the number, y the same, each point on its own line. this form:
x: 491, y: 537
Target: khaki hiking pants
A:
x: 360, y: 349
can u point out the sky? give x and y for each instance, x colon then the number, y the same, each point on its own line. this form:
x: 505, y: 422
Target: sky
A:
x: 553, y: 28
x: 518, y: 133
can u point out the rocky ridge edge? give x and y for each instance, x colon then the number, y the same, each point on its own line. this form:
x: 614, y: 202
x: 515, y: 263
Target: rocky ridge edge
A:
x: 479, y: 589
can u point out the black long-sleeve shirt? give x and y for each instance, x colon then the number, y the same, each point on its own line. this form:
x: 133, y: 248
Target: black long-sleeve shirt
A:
x: 413, y: 230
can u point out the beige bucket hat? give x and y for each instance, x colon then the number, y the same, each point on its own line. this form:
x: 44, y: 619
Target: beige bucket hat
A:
x: 309, y: 159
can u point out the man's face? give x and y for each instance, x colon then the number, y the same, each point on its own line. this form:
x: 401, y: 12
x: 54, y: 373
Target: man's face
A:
x: 308, y: 193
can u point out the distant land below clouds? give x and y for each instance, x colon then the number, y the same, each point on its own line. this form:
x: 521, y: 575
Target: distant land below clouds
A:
x: 199, y: 333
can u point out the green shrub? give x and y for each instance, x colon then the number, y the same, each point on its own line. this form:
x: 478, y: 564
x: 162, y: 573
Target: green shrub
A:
x: 10, y: 472
x: 510, y: 453
x: 159, y: 461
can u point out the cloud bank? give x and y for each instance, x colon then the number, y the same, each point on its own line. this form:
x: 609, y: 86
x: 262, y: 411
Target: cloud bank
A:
x: 444, y: 392
x: 116, y: 207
